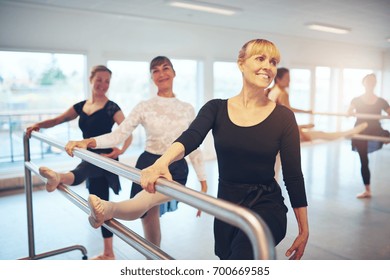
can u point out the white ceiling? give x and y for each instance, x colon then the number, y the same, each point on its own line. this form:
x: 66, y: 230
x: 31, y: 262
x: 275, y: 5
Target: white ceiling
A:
x: 369, y: 20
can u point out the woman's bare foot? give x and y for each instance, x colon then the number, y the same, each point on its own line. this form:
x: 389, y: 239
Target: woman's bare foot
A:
x: 53, y: 178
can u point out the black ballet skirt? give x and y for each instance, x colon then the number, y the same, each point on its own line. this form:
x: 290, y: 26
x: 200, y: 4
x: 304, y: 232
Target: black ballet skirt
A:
x: 374, y: 127
x: 372, y: 145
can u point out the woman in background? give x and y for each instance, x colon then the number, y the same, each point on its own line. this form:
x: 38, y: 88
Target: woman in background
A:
x: 368, y: 103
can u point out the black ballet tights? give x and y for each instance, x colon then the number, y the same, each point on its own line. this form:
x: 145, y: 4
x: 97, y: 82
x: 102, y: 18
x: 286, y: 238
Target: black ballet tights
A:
x: 363, y: 154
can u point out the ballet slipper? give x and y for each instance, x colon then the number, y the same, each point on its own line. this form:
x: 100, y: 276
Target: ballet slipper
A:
x: 100, y: 211
x: 364, y: 195
x: 103, y: 257
x: 53, y: 178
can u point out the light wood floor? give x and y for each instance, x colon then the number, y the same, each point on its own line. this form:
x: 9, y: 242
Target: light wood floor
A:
x: 341, y: 226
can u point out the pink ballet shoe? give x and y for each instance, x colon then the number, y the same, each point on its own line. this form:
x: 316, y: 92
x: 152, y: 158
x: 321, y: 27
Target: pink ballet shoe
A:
x: 53, y: 178
x: 99, y: 212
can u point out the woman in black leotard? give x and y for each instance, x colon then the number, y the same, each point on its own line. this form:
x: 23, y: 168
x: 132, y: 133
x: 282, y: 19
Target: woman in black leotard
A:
x: 368, y: 103
x: 97, y: 116
x: 249, y: 130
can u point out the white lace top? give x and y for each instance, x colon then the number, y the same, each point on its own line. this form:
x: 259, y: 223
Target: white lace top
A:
x: 164, y: 119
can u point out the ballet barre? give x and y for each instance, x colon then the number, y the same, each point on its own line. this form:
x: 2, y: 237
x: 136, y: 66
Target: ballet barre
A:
x: 130, y: 237
x: 243, y: 218
x: 371, y: 137
x: 359, y: 116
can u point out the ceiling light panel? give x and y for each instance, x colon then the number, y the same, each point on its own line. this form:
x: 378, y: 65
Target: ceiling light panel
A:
x: 328, y: 28
x: 204, y: 7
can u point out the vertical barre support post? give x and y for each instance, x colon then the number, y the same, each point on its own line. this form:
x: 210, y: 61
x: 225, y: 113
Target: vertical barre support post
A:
x: 28, y: 186
x: 28, y: 190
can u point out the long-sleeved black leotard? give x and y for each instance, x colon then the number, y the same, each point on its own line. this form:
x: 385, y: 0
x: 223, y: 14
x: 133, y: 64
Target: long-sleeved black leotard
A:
x: 246, y: 160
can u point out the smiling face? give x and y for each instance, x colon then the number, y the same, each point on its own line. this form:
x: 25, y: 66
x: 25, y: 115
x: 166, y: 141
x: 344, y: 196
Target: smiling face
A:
x: 162, y: 76
x: 100, y: 82
x: 162, y: 73
x: 258, y: 60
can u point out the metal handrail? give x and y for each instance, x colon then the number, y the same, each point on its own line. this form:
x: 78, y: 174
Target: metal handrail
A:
x: 243, y: 218
x: 355, y: 115
x: 130, y: 237
x: 143, y: 246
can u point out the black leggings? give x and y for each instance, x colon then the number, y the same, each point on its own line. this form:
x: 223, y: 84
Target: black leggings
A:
x: 98, y: 182
x: 362, y: 149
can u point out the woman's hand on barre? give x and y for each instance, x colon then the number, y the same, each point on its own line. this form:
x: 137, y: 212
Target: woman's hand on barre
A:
x: 150, y: 175
x: 83, y: 144
x: 30, y: 129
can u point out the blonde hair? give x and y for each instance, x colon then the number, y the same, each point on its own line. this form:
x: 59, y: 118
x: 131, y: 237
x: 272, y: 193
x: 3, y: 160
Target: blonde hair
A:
x: 98, y: 68
x: 258, y: 46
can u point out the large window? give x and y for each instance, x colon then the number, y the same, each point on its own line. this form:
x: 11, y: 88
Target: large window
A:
x: 36, y: 86
x: 227, y: 79
x: 130, y: 83
x: 40, y: 81
x: 187, y: 85
x: 300, y: 93
x: 325, y: 98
